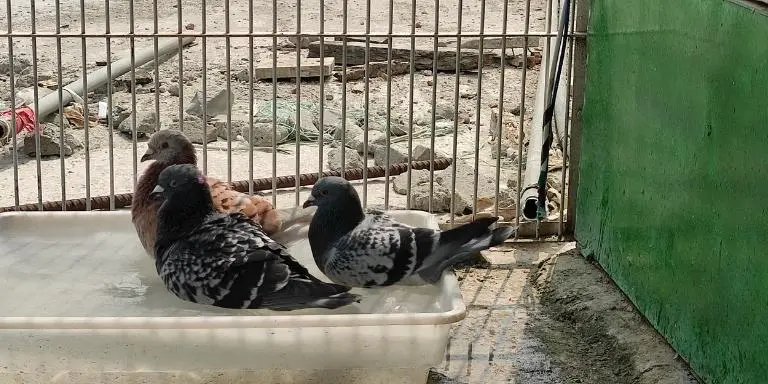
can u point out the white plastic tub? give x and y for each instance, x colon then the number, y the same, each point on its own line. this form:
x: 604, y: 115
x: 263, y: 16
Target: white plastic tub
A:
x: 81, y: 298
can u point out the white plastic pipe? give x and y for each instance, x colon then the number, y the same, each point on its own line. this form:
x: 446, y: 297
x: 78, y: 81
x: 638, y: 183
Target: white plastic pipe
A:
x: 96, y: 79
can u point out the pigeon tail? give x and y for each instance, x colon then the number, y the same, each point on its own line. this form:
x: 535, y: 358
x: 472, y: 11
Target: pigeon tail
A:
x: 301, y: 294
x: 459, y: 244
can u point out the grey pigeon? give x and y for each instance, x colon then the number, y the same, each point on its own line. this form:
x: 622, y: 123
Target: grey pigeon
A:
x: 360, y: 249
x: 226, y: 260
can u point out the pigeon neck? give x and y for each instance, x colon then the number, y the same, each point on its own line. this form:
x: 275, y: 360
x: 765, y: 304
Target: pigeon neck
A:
x: 180, y: 215
x: 185, y: 156
x: 331, y: 222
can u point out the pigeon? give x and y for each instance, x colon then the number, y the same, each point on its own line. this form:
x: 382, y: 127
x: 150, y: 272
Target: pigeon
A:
x: 370, y: 249
x: 168, y: 147
x: 225, y: 259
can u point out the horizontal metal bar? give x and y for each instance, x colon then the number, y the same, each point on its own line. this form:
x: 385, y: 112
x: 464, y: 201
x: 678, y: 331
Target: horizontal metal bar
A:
x: 124, y: 199
x: 579, y: 35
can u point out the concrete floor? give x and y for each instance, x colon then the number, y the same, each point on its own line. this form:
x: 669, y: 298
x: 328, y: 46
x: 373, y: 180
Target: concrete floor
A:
x: 519, y: 331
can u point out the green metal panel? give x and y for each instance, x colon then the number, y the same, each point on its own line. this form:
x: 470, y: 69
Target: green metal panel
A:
x: 673, y: 193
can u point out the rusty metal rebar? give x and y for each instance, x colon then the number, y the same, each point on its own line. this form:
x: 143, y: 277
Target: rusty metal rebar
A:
x: 123, y: 200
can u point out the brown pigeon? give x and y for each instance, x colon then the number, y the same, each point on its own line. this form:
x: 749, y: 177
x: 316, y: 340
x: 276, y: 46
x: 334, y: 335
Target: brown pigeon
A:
x: 168, y: 147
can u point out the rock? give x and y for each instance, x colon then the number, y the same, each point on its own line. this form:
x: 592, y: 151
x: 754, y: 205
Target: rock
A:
x: 331, y: 121
x: 352, y: 159
x: 376, y: 140
x: 515, y: 110
x: 441, y: 187
x: 444, y: 111
x: 397, y: 128
x: 467, y: 93
x: 465, y: 181
x: 554, y: 180
x: 418, y: 176
x: 193, y: 129
x: 303, y: 41
x: 173, y: 89
x: 263, y: 133
x: 441, y: 199
x: 422, y: 116
x: 239, y: 127
x: 397, y: 154
x: 145, y: 124
x: 375, y: 70
x: 50, y: 143
x: 421, y: 153
x: 216, y: 105
x: 143, y: 77
x: 55, y: 119
x: 19, y: 64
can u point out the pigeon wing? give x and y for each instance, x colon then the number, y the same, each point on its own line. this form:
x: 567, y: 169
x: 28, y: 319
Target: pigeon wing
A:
x: 222, y: 263
x: 378, y: 252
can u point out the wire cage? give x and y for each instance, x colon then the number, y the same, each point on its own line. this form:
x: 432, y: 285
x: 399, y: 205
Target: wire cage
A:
x: 459, y: 109
x: 270, y: 89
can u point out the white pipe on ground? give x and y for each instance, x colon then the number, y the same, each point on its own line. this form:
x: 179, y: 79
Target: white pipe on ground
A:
x: 96, y: 79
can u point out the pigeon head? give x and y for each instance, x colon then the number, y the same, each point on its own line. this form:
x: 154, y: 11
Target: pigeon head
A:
x: 171, y: 147
x: 183, y: 182
x: 332, y: 191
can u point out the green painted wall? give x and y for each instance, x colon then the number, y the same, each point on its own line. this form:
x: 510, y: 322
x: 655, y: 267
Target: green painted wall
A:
x: 673, y: 194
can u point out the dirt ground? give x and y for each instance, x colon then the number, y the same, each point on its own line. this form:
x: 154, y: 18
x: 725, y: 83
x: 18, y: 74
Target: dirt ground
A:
x: 46, y: 184
x: 543, y: 314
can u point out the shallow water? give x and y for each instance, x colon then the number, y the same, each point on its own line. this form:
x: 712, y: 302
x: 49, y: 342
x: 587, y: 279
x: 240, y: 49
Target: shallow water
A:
x: 94, y: 265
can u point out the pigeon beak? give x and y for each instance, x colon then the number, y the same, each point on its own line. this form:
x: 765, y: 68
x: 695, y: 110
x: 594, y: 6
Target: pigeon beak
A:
x: 310, y: 202
x: 148, y: 155
x: 158, y: 190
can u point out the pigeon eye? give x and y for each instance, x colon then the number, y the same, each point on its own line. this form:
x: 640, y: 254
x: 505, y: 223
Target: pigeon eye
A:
x: 172, y: 184
x: 324, y: 191
x: 164, y: 145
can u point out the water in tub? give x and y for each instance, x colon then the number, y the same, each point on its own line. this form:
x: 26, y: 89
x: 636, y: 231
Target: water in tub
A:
x: 97, y: 268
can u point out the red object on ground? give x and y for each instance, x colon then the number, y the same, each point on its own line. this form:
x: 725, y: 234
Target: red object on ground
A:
x: 25, y: 119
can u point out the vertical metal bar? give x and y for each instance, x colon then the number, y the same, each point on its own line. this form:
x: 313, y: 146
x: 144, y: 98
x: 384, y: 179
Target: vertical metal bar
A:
x: 435, y: 47
x: 33, y: 12
x: 63, y: 172
x: 204, y: 91
x: 526, y: 30
x: 344, y: 30
x: 456, y: 97
x: 410, y: 103
x: 250, y: 97
x: 477, y: 108
x: 274, y: 103
x: 156, y: 62
x: 134, y: 134
x: 179, y: 29
x: 567, y: 123
x: 84, y: 64
x: 321, y: 115
x: 12, y: 80
x: 298, y: 103
x: 388, y: 132
x: 366, y: 101
x: 500, y: 124
x: 228, y: 74
x: 577, y: 102
x: 110, y: 122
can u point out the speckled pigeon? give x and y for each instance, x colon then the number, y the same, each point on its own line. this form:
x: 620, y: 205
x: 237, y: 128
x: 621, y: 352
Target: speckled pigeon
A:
x: 226, y: 260
x: 360, y: 249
